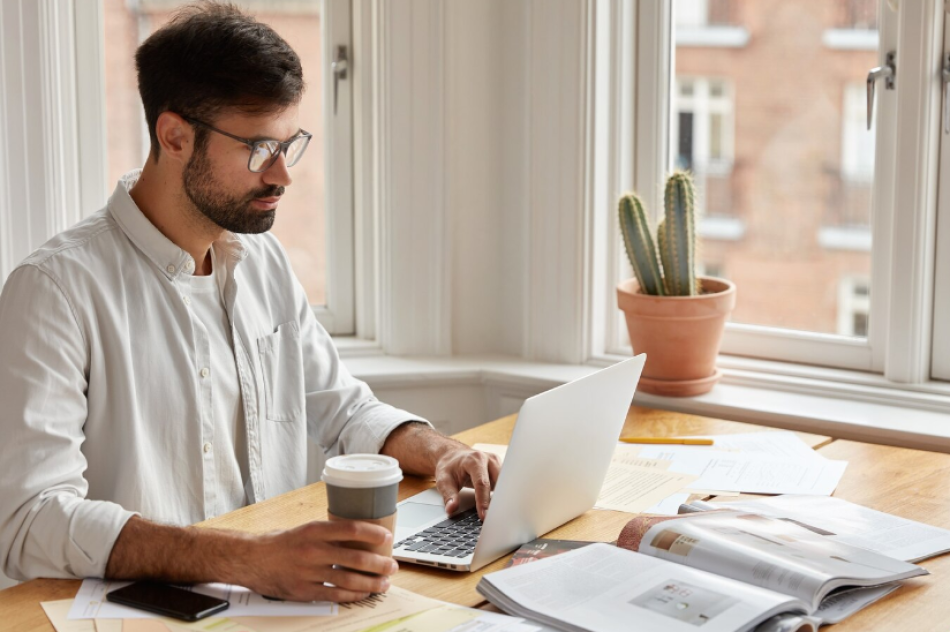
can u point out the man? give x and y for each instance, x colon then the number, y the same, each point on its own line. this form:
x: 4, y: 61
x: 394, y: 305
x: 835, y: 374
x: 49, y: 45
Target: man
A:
x: 159, y: 363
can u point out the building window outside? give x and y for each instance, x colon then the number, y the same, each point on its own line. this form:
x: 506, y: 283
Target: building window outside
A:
x: 859, y: 15
x: 301, y: 221
x: 854, y: 306
x: 703, y: 13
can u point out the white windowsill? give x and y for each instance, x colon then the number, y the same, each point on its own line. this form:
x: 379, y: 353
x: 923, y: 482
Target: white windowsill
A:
x: 842, y: 404
x: 851, y: 39
x: 712, y: 36
x: 856, y: 238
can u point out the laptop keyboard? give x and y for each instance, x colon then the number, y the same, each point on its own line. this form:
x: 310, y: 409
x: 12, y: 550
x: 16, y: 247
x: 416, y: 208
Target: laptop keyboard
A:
x: 454, y: 537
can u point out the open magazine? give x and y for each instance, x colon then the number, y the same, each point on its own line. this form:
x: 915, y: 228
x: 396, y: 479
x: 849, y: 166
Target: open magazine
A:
x: 724, y: 570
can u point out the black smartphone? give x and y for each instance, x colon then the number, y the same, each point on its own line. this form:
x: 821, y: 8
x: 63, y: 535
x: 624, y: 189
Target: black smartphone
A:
x: 168, y: 600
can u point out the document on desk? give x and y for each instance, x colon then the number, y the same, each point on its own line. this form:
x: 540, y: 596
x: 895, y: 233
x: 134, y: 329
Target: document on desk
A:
x: 750, y: 472
x: 91, y: 603
x: 397, y: 610
x: 58, y: 614
x: 856, y: 525
x: 780, y: 443
x: 633, y: 483
x: 634, y: 489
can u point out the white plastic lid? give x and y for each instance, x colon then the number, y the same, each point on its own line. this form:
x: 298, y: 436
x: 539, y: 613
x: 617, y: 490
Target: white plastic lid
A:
x: 362, y: 471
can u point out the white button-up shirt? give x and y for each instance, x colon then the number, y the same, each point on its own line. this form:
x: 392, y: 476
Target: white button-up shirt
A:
x: 103, y: 411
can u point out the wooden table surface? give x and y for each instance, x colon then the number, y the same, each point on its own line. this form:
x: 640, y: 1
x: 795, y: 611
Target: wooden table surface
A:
x: 908, y: 483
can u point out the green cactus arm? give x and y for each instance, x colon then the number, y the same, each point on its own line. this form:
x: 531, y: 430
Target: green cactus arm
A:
x: 639, y: 244
x: 664, y: 252
x: 680, y: 235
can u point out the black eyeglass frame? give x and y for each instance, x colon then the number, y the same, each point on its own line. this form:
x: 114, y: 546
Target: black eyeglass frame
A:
x: 283, y: 146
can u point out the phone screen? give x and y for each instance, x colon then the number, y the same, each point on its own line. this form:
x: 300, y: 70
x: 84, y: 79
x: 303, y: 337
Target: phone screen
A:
x: 167, y: 600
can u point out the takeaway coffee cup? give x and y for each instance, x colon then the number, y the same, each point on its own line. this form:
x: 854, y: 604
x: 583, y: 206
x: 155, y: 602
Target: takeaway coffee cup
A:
x: 363, y: 487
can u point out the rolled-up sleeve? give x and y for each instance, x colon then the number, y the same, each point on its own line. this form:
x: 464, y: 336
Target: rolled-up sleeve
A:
x: 343, y: 415
x: 47, y: 526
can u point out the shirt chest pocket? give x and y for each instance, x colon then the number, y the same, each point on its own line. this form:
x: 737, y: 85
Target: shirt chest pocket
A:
x: 282, y: 370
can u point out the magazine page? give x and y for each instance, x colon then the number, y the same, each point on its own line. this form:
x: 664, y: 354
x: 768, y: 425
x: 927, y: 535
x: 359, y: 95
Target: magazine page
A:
x: 774, y: 554
x: 853, y: 524
x: 602, y: 588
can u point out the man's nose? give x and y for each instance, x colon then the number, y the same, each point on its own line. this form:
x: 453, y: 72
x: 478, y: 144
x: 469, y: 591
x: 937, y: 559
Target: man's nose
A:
x: 277, y: 173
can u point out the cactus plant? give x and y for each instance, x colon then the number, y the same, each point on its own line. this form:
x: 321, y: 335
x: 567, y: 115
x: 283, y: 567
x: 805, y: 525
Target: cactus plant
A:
x: 676, y: 238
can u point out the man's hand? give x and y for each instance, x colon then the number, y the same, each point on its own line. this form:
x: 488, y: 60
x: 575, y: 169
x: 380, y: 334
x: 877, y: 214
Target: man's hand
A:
x: 421, y: 450
x: 465, y: 467
x: 296, y: 564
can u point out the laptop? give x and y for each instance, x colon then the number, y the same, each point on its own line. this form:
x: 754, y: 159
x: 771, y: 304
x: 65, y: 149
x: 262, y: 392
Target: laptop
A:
x: 553, y: 471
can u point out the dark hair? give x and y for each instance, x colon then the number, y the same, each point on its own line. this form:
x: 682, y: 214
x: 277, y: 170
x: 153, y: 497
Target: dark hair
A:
x: 212, y: 57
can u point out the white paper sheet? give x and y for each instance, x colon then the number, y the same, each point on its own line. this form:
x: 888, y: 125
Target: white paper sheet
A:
x: 634, y: 489
x: 780, y: 443
x: 57, y: 612
x: 90, y: 603
x: 859, y: 526
x: 749, y: 472
x: 669, y: 506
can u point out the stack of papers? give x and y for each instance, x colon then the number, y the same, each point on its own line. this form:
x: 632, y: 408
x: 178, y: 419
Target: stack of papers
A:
x: 657, y: 478
x: 749, y: 463
x: 396, y: 610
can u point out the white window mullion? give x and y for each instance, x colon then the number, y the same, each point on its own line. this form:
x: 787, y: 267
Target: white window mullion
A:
x: 914, y: 217
x: 941, y: 336
x: 91, y: 106
x: 338, y: 313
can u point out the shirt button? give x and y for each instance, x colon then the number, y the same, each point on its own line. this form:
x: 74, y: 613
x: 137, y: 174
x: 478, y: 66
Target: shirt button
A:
x: 190, y: 265
x: 170, y: 269
x: 186, y: 299
x: 207, y: 448
x: 205, y: 372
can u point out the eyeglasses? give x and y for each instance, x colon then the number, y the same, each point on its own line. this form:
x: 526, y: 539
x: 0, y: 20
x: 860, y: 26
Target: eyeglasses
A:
x: 264, y: 153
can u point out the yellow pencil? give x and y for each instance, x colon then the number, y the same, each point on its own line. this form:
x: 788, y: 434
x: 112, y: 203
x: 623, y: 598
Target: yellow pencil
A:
x: 664, y: 440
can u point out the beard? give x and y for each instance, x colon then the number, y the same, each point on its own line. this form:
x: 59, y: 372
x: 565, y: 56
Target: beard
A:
x: 233, y: 213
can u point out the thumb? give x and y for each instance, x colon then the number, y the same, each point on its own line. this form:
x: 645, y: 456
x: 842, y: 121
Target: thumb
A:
x: 450, y: 493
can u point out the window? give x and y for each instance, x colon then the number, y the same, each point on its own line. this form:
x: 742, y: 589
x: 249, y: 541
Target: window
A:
x: 827, y: 230
x: 702, y: 139
x: 319, y: 244
x: 854, y: 305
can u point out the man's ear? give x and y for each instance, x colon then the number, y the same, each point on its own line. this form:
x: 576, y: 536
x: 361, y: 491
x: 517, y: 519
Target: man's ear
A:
x: 175, y: 135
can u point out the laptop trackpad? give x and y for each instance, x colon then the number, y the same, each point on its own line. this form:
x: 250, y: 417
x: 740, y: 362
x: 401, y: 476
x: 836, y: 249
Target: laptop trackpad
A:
x: 413, y: 517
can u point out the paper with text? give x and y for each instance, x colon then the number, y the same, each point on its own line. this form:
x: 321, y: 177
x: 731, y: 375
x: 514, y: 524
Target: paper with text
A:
x: 90, y: 603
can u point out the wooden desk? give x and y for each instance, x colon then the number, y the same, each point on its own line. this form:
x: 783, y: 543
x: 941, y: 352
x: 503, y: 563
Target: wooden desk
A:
x: 911, y: 484
x: 22, y: 612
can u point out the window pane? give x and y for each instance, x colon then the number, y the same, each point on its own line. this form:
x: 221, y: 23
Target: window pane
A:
x: 300, y: 223
x: 784, y: 168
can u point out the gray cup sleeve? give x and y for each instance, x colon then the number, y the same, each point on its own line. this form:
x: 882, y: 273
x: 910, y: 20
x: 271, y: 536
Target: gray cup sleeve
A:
x: 362, y: 504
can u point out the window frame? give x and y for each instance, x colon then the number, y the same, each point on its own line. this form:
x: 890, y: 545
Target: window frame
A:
x: 898, y: 342
x: 338, y: 315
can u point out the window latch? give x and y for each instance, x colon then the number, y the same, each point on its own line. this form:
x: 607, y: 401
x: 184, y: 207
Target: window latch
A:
x: 946, y: 95
x: 338, y: 68
x: 889, y: 73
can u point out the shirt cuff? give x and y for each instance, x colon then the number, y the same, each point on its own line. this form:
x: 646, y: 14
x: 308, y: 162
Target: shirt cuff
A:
x: 93, y: 530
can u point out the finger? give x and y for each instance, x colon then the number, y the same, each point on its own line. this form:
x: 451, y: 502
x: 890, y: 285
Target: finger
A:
x: 347, y: 579
x: 364, y: 561
x: 494, y: 469
x: 482, y: 486
x: 449, y: 489
x: 350, y: 531
x: 334, y: 593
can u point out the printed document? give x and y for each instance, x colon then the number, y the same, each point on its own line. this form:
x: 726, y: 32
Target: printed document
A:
x: 853, y: 524
x: 749, y: 472
x: 91, y: 603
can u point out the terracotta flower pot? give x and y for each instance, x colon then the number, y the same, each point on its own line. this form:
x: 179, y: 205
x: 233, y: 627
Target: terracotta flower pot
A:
x: 681, y: 335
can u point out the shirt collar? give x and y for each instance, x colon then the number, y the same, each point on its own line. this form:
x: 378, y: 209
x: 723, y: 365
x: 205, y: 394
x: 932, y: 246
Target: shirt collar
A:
x: 164, y: 253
